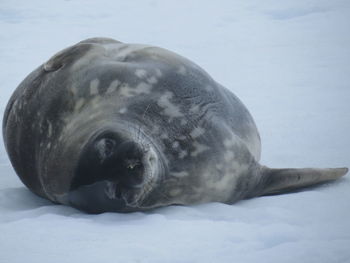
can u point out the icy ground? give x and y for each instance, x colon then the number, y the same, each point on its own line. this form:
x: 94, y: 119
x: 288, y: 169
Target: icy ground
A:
x: 289, y: 62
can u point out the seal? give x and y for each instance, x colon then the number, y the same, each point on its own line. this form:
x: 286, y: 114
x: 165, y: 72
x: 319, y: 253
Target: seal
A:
x: 107, y: 126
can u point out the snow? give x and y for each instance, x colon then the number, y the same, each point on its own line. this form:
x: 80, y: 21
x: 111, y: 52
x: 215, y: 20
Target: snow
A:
x: 288, y: 61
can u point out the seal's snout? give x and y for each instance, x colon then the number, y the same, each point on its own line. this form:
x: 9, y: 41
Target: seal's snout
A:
x: 114, y: 168
x: 113, y: 158
x: 125, y: 165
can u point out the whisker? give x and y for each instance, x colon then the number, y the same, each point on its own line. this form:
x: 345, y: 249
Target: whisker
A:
x: 148, y: 106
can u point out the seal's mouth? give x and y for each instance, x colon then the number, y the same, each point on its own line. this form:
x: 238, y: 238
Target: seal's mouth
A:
x: 92, y: 199
x: 108, y: 196
x: 132, y: 197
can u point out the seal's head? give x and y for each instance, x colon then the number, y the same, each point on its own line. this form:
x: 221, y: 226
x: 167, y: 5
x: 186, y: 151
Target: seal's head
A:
x: 114, y: 173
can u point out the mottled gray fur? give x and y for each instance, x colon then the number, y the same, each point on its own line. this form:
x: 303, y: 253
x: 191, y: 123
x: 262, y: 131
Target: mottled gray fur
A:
x: 204, y: 141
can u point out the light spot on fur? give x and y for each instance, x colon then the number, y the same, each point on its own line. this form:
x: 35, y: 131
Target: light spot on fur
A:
x: 164, y: 136
x: 96, y: 102
x: 74, y: 89
x: 198, y: 148
x: 208, y: 88
x: 180, y: 174
x: 183, y: 122
x: 141, y: 88
x: 113, y: 86
x: 94, y: 86
x: 86, y: 59
x: 197, y: 132
x: 182, y: 70
x: 141, y: 73
x: 126, y: 51
x: 152, y: 80
x: 126, y: 90
x: 175, y: 144
x: 49, y: 129
x: 219, y: 166
x: 169, y: 109
x: 229, y: 143
x: 194, y: 109
x: 223, y: 184
x: 155, y: 129
x: 158, y: 72
x: 91, y: 117
x: 175, y: 191
x: 122, y: 110
x: 79, y: 104
x: 183, y: 154
x: 229, y: 156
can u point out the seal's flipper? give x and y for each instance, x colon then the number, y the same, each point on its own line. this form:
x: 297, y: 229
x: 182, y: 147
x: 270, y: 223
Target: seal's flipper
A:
x: 283, y: 180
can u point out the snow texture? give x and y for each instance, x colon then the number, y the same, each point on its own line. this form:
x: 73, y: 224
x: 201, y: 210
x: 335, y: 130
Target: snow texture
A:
x: 288, y: 61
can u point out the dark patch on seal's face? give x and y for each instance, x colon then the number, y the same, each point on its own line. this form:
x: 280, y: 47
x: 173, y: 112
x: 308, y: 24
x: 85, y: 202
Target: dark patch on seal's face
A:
x: 107, y: 160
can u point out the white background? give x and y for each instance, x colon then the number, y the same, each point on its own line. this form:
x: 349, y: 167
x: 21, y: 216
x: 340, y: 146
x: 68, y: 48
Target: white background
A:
x: 288, y: 61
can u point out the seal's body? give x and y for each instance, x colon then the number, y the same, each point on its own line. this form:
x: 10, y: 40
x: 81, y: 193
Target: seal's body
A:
x: 108, y: 126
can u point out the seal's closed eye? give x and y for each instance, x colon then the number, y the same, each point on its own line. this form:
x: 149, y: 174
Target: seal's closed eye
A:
x: 104, y: 148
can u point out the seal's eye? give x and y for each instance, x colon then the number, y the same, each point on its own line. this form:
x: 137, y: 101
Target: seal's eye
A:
x: 105, y: 148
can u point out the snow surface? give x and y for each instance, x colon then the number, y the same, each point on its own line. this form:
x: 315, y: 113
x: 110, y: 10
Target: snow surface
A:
x: 289, y: 62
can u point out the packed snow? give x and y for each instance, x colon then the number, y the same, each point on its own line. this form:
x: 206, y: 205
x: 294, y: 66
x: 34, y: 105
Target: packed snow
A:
x: 288, y: 61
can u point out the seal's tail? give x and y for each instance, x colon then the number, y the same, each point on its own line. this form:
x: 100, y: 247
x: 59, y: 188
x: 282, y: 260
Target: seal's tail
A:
x: 277, y: 181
